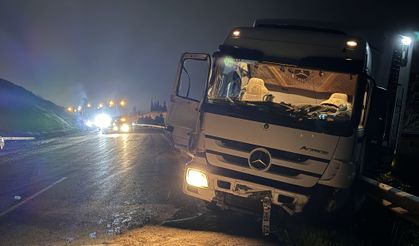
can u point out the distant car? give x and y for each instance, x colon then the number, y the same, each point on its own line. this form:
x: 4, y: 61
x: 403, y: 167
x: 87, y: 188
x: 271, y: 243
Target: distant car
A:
x: 119, y: 125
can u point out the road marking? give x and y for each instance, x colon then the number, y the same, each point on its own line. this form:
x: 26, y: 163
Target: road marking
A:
x: 32, y: 197
x: 18, y: 138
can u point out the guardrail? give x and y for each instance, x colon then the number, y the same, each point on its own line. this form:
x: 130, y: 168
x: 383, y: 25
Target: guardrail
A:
x: 402, y: 203
x: 149, y: 126
x: 3, y: 140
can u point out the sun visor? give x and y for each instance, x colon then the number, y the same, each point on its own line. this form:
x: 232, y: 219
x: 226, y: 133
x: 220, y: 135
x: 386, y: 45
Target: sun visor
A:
x: 340, y: 64
x: 307, y: 48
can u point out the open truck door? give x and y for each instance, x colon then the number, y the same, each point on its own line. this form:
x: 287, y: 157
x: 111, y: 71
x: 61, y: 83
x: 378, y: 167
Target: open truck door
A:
x: 188, y: 91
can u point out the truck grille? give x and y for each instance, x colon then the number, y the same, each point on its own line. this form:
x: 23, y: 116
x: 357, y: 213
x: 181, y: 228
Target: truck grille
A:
x: 287, y: 167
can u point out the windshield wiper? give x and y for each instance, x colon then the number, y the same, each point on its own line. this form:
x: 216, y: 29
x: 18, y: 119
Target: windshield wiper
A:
x: 229, y: 100
x: 284, y: 106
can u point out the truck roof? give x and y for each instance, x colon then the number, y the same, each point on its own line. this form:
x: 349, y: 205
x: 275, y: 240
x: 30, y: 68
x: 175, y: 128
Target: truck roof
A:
x: 303, y: 45
x: 291, y: 24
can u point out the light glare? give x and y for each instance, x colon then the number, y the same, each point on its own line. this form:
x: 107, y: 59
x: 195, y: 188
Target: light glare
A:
x: 406, y: 40
x: 124, y: 128
x: 89, y: 123
x: 103, y: 120
x: 236, y: 33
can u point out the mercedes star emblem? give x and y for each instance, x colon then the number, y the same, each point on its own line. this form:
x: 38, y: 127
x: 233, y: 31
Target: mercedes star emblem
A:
x: 260, y: 159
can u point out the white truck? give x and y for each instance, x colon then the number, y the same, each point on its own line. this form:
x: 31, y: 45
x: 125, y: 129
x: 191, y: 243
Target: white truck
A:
x: 279, y: 117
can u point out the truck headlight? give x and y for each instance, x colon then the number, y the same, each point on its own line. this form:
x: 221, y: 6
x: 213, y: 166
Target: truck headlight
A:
x: 196, y: 178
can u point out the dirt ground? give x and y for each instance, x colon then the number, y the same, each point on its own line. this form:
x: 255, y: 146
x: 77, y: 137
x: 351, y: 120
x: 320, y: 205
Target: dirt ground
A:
x: 161, y: 235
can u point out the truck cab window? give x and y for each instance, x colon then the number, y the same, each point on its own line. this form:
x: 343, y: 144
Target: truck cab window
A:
x: 193, y: 79
x: 312, y: 94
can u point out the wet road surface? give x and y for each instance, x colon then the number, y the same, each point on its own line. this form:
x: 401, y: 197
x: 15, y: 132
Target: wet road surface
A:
x: 88, y: 188
x: 66, y: 188
x: 125, y: 189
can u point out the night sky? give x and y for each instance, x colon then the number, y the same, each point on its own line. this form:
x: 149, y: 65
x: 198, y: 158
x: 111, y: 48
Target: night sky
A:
x: 66, y: 51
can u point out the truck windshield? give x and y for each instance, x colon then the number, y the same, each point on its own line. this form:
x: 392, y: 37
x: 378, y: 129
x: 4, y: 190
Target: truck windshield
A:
x: 285, y: 89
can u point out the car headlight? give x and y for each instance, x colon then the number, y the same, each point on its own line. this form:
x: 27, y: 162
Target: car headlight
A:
x: 125, y: 128
x: 89, y: 123
x: 196, y: 178
x: 103, y: 120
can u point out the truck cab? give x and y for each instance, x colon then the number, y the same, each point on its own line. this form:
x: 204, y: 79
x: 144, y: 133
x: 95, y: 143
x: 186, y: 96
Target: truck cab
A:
x: 278, y: 112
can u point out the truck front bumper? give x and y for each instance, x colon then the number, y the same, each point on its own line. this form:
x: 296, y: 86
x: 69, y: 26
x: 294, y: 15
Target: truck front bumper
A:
x: 229, y: 192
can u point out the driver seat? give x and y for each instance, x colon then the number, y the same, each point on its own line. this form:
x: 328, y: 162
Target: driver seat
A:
x: 255, y: 90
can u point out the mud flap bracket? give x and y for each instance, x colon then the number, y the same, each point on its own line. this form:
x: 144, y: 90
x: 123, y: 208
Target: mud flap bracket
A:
x: 266, y: 216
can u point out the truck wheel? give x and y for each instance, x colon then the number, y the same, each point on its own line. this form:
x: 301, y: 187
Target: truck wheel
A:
x: 328, y: 205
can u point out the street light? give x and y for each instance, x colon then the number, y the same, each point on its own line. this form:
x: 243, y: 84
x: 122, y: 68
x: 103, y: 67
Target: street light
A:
x: 122, y: 103
x: 100, y: 106
x: 89, y: 105
x: 111, y: 103
x: 70, y: 109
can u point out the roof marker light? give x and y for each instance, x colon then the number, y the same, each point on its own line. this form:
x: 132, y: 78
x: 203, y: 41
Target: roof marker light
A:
x: 351, y: 43
x: 236, y: 33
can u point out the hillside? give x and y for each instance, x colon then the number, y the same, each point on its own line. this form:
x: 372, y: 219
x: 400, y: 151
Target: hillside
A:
x: 24, y: 113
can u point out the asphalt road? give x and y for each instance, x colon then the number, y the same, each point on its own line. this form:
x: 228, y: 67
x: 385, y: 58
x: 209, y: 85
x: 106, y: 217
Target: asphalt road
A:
x: 125, y: 189
x: 88, y: 188
x: 64, y: 189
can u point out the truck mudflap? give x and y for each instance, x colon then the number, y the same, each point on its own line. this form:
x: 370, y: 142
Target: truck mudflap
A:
x: 263, y: 198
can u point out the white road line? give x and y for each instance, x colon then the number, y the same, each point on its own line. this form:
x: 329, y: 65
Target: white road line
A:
x: 32, y: 197
x: 18, y: 138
